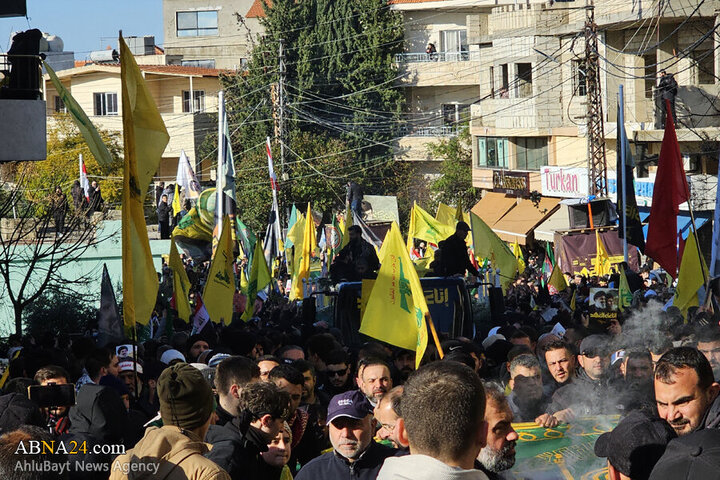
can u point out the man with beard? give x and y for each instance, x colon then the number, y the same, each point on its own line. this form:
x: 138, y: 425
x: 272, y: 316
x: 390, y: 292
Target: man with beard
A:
x: 708, y: 343
x: 404, y: 365
x: 355, y: 454
x: 686, y: 392
x: 498, y: 455
x: 527, y: 399
x: 560, y: 360
x: 374, y: 379
x: 337, y: 375
x: 637, y: 384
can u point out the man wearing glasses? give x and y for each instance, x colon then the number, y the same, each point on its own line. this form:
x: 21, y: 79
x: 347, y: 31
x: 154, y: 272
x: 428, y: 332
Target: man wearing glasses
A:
x: 337, y: 375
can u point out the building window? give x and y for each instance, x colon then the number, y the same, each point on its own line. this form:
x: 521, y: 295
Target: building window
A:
x: 197, y: 104
x: 524, y: 80
x: 492, y: 152
x: 650, y: 74
x: 197, y: 24
x: 59, y: 105
x: 198, y: 63
x: 455, y: 114
x: 453, y: 43
x: 106, y: 104
x: 579, y: 79
x: 531, y: 153
x: 504, y: 80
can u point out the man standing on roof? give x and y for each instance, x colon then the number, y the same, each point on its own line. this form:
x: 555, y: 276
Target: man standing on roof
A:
x: 354, y: 197
x: 454, y: 258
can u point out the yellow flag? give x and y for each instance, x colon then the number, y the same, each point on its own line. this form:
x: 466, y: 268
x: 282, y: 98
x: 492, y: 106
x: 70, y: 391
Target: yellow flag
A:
x: 410, y: 240
x: 425, y: 227
x: 691, y: 276
x: 145, y: 138
x: 557, y: 281
x: 446, y: 214
x: 346, y: 224
x: 177, y: 207
x: 259, y: 279
x: 295, y: 234
x: 624, y: 292
x: 181, y: 284
x: 573, y: 300
x: 460, y: 214
x: 220, y: 287
x: 602, y: 260
x: 395, y: 312
x: 303, y: 263
x: 518, y: 254
x: 489, y: 245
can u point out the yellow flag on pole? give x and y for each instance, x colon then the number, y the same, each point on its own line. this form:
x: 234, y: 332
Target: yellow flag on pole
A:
x: 488, y: 245
x: 303, y: 263
x: 395, y: 312
x: 176, y: 205
x: 425, y: 227
x: 145, y: 138
x: 517, y: 251
x: 557, y: 281
x: 181, y: 284
x: 624, y: 293
x: 573, y: 300
x: 345, y: 225
x: 220, y: 286
x: 446, y: 214
x: 259, y: 278
x: 691, y: 276
x: 602, y: 260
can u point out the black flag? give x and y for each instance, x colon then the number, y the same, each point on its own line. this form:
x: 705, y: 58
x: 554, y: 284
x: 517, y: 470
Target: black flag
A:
x: 110, y: 328
x: 634, y: 225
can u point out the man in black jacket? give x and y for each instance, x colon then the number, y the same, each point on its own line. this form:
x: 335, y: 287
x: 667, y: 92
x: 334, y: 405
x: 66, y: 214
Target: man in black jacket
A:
x: 355, y: 454
x: 237, y: 445
x: 454, y: 258
x: 163, y: 213
x: 668, y: 91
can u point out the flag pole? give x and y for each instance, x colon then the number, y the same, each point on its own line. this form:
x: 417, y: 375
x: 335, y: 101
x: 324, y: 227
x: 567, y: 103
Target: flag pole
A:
x: 622, y: 172
x: 221, y: 158
x: 434, y: 334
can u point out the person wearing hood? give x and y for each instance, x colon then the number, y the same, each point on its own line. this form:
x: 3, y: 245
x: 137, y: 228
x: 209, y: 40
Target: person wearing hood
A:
x: 237, y: 446
x: 355, y: 455
x: 458, y: 420
x: 175, y: 450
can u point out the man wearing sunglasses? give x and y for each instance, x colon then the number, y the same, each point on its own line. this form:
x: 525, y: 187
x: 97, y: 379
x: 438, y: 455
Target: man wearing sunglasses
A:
x: 590, y: 392
x: 338, y: 378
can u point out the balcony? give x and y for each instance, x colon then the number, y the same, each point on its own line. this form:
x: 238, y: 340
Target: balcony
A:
x: 22, y: 109
x: 439, y: 69
x: 432, y: 131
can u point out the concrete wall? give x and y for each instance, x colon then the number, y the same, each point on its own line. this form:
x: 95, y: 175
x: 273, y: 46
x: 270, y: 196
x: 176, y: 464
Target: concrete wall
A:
x: 109, y: 252
x: 235, y: 39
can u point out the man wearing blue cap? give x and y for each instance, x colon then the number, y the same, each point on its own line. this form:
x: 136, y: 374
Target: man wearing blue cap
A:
x: 355, y: 454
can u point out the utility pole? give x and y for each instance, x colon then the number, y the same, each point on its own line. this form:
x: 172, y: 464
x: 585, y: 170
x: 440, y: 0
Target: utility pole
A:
x: 597, y: 164
x: 281, y: 109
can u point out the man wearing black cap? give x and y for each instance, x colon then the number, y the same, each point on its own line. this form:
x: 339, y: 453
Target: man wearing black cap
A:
x: 633, y: 448
x: 589, y: 393
x: 175, y: 451
x: 454, y: 258
x: 355, y: 454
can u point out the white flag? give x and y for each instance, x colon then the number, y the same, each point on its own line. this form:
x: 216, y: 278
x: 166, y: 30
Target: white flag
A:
x: 186, y: 178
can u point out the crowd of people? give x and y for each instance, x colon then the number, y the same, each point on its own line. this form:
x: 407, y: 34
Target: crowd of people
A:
x: 285, y: 396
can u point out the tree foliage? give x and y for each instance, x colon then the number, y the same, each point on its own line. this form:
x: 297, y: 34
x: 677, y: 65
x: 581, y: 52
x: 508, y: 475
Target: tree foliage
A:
x: 64, y: 145
x: 455, y: 181
x: 342, y: 106
x: 58, y: 313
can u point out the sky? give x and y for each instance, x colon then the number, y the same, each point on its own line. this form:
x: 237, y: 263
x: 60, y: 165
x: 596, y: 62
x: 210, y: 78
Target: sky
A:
x: 87, y: 25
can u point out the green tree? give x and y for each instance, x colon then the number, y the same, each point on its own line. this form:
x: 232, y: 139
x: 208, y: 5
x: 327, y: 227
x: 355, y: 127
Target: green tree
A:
x: 455, y: 181
x: 59, y: 313
x: 343, y: 107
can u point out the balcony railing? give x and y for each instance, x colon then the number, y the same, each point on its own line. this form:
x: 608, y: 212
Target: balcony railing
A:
x: 432, y: 131
x: 20, y: 77
x: 436, y: 57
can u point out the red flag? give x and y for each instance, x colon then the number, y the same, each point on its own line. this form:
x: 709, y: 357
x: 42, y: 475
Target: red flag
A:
x: 671, y: 189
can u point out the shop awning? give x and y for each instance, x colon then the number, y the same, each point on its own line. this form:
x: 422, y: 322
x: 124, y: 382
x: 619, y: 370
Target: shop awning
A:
x: 559, y: 220
x: 493, y: 206
x: 519, y: 222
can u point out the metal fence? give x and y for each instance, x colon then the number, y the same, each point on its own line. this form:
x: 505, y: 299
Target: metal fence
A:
x: 436, y: 57
x: 20, y: 77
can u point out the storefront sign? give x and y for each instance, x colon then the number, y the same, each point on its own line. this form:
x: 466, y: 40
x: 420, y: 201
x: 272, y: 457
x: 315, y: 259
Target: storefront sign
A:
x: 513, y: 183
x: 564, y: 182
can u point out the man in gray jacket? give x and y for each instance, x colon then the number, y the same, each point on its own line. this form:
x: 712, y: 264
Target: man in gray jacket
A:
x: 445, y: 437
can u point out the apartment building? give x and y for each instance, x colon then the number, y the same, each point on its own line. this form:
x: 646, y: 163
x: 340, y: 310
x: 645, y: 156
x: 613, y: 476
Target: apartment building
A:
x: 529, y: 128
x: 207, y: 34
x: 184, y: 95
